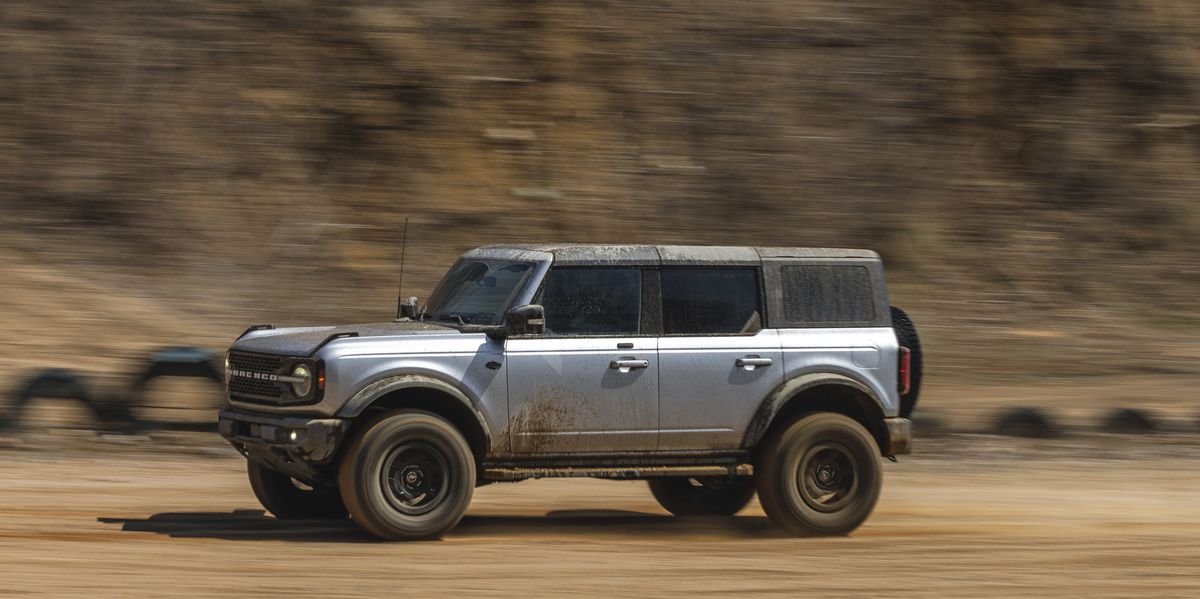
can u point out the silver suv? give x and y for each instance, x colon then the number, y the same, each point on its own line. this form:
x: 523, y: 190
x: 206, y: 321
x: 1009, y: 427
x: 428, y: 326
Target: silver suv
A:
x: 711, y: 372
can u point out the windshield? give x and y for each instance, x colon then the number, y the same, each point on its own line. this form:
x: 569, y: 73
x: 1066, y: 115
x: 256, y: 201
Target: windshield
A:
x: 477, y: 291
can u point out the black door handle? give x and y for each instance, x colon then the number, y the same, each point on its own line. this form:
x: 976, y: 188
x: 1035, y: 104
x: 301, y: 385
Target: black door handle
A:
x: 627, y: 364
x: 752, y: 362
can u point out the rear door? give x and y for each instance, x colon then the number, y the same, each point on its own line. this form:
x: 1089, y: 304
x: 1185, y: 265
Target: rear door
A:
x: 717, y: 362
x: 590, y: 383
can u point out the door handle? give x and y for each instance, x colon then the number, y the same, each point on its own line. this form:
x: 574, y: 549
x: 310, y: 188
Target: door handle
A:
x: 627, y: 364
x: 752, y: 362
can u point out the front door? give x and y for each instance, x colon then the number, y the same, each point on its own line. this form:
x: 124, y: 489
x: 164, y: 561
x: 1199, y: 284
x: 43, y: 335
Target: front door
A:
x: 590, y: 383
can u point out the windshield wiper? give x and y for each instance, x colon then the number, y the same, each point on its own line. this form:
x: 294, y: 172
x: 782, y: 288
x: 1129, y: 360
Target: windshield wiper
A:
x: 452, y: 318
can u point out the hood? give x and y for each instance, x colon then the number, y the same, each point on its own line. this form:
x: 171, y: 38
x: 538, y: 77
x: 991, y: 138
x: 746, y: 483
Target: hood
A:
x: 302, y: 341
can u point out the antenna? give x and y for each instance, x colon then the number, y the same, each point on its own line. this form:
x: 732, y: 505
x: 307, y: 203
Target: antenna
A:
x: 400, y: 285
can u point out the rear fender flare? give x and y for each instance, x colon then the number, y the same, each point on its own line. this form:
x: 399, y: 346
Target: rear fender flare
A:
x: 774, y: 403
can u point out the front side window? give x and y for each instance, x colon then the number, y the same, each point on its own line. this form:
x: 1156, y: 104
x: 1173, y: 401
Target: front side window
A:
x: 478, y: 291
x: 815, y: 294
x: 592, y: 301
x: 710, y: 301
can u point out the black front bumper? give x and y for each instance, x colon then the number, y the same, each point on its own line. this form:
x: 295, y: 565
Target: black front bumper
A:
x: 300, y: 447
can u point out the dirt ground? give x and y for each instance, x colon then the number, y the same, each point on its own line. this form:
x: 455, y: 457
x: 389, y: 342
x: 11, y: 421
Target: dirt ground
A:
x: 966, y: 516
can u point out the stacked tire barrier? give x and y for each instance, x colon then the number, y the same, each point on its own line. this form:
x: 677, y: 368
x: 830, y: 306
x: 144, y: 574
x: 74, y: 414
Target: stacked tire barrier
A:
x: 177, y: 362
x: 1027, y: 422
x: 117, y: 411
x: 1036, y: 423
x: 64, y: 385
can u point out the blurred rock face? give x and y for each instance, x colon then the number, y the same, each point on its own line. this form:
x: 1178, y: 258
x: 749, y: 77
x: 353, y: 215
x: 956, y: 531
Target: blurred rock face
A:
x: 1011, y: 160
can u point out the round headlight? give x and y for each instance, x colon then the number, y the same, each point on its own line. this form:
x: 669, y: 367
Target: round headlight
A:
x: 303, y: 387
x: 228, y: 372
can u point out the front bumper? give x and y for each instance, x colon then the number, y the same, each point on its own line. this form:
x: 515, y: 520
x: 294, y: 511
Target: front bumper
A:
x: 296, y: 446
x: 899, y: 431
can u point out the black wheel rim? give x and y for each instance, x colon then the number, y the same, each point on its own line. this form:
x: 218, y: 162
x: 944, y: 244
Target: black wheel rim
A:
x: 415, y: 478
x: 827, y: 477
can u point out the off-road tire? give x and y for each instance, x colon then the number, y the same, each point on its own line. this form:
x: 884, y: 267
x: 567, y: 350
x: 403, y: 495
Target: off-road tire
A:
x: 280, y: 495
x: 391, y: 448
x: 906, y: 334
x: 788, y: 475
x: 709, y: 496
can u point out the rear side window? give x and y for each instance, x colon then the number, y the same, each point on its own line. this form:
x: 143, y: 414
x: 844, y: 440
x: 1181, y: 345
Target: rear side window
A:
x: 828, y: 294
x: 710, y: 301
x: 592, y: 301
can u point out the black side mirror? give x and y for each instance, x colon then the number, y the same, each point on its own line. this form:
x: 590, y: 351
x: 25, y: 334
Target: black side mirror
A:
x: 529, y: 319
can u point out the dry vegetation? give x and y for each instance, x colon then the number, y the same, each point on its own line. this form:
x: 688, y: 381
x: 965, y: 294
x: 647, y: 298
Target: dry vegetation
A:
x: 173, y: 170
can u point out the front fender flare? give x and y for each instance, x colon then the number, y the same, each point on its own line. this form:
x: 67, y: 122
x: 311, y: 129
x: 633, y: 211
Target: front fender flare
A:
x: 779, y: 397
x: 364, y: 397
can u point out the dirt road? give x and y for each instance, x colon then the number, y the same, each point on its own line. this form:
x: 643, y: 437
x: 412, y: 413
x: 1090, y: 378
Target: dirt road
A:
x: 968, y: 517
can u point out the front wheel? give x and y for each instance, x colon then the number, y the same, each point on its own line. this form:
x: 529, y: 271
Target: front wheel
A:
x: 288, y: 499
x: 819, y: 476
x: 707, y: 496
x: 409, y: 476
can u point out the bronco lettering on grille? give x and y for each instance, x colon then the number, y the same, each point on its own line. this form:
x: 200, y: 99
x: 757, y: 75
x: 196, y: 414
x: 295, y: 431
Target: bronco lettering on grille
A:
x: 261, y: 376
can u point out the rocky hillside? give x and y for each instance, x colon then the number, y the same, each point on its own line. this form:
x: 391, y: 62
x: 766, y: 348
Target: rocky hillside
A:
x: 171, y: 170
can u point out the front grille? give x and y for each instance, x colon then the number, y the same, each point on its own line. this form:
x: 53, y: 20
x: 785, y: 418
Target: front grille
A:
x: 241, y: 386
x: 255, y: 362
x: 252, y: 389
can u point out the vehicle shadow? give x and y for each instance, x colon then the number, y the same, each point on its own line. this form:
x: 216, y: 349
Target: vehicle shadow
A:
x: 255, y: 525
x: 241, y: 525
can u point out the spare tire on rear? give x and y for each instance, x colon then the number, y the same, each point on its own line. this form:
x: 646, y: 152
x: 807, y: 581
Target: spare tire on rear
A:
x: 906, y: 334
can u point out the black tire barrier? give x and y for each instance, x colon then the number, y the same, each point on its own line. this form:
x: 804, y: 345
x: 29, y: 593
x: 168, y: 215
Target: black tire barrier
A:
x: 181, y: 362
x: 1026, y: 422
x: 187, y: 362
x: 114, y: 415
x: 50, y: 383
x: 1130, y: 421
x: 926, y: 425
x: 114, y: 411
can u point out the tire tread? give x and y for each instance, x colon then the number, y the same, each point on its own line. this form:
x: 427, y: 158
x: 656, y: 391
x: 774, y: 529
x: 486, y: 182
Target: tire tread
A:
x: 772, y: 484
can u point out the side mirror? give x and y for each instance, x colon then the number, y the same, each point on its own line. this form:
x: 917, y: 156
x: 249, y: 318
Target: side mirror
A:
x: 529, y: 319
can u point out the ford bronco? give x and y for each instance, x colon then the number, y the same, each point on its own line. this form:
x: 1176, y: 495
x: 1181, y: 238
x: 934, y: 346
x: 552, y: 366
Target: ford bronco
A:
x: 711, y: 372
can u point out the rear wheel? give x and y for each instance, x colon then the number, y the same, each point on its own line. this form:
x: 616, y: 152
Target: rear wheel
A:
x: 819, y: 476
x: 409, y: 476
x: 289, y: 499
x: 707, y: 496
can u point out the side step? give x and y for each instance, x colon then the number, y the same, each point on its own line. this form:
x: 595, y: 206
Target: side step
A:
x: 616, y: 472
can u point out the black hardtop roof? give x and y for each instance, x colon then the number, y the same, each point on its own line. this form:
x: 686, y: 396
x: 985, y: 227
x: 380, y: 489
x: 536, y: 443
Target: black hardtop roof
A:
x: 573, y: 253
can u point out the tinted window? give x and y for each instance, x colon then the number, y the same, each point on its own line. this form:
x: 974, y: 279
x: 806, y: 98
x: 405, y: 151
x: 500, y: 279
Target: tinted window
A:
x: 706, y: 301
x: 592, y: 301
x: 828, y: 294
